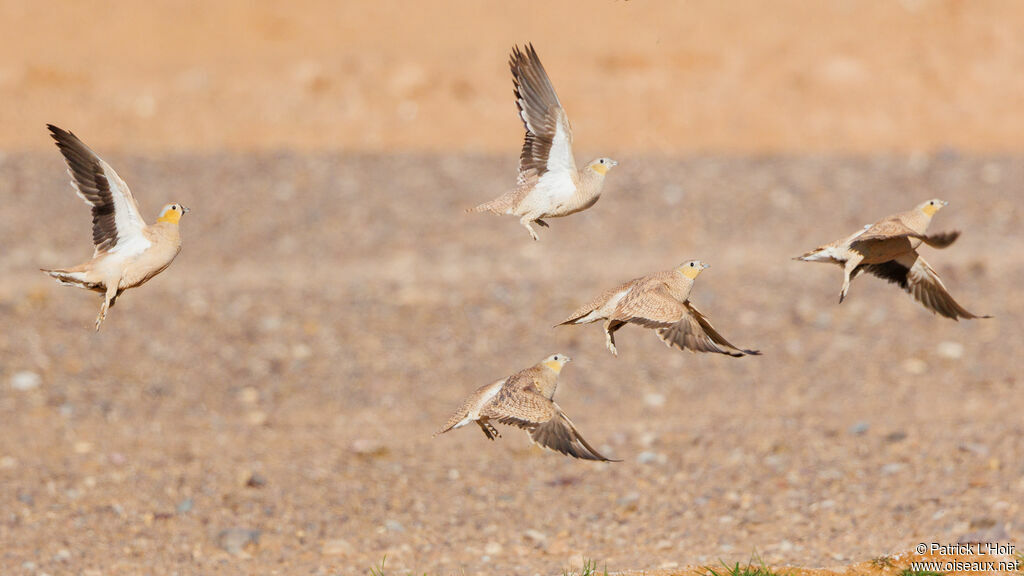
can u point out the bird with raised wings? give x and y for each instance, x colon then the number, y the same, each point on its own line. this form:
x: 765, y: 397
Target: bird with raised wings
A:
x: 126, y: 252
x: 526, y: 400
x: 888, y: 249
x: 549, y: 185
x: 660, y: 301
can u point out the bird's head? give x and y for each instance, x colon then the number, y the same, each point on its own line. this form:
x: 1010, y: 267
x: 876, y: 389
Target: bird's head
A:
x: 556, y: 361
x: 692, y: 268
x: 932, y: 206
x: 602, y: 165
x: 172, y: 213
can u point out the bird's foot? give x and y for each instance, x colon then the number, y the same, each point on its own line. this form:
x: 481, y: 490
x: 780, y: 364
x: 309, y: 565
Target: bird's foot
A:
x: 525, y: 223
x: 610, y: 343
x: 102, y: 315
x: 542, y: 223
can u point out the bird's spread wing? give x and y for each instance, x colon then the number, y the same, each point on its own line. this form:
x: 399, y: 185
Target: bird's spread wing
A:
x: 471, y: 406
x: 546, y: 158
x: 886, y: 229
x: 519, y: 403
x: 941, y: 239
x: 694, y: 332
x: 560, y: 434
x: 525, y: 407
x: 914, y: 275
x: 116, y: 222
x: 587, y: 312
x: 650, y: 305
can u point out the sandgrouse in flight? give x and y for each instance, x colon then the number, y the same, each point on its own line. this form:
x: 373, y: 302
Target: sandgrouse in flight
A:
x: 127, y: 251
x: 549, y: 185
x: 526, y: 400
x: 660, y: 301
x: 888, y: 249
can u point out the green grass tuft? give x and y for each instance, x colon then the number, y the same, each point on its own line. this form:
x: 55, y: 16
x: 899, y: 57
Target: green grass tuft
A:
x: 589, y: 569
x: 379, y: 571
x: 909, y: 572
x: 755, y: 567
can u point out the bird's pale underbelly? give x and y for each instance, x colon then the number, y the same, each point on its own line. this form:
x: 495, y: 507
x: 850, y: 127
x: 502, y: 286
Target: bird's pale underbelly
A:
x: 143, y: 267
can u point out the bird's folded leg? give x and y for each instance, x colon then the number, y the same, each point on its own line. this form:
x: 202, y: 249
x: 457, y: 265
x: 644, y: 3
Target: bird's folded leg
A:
x: 609, y: 339
x: 851, y: 265
x: 525, y: 222
x: 108, y: 300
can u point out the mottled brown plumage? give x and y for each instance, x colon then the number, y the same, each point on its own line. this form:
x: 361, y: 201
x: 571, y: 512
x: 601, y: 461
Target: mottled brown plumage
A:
x: 888, y: 249
x: 548, y: 185
x: 127, y: 252
x: 660, y: 301
x: 526, y: 400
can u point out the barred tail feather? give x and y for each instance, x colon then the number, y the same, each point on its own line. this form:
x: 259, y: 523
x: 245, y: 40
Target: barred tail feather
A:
x: 494, y: 206
x: 70, y: 278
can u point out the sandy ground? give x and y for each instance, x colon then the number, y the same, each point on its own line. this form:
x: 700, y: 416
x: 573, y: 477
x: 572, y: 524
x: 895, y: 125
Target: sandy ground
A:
x: 267, y: 404
x: 642, y: 76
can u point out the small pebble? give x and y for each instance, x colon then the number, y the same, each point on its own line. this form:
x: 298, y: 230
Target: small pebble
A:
x: 535, y: 536
x: 256, y: 480
x: 654, y: 399
x: 950, y: 350
x: 915, y: 366
x: 897, y: 436
x: 337, y: 547
x: 892, y: 468
x: 238, y: 541
x: 25, y: 380
x: 859, y: 429
x: 648, y: 457
x: 62, y: 555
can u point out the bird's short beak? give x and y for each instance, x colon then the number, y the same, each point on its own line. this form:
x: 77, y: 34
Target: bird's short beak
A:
x: 613, y: 163
x: 185, y: 210
x: 704, y: 265
x: 567, y: 359
x: 945, y: 203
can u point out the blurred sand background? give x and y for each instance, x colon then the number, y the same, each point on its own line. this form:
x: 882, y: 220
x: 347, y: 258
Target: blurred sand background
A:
x: 644, y: 76
x: 266, y: 405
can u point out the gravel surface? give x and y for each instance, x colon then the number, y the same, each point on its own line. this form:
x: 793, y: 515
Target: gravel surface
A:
x: 266, y: 405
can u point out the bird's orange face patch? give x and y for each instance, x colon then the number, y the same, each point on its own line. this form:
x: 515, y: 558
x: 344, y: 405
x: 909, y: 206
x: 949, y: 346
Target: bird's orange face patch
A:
x: 555, y: 366
x: 931, y: 209
x: 601, y: 169
x: 691, y: 272
x: 170, y: 215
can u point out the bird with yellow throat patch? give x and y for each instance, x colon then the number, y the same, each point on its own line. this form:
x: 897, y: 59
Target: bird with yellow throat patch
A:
x: 526, y: 400
x: 659, y: 301
x: 888, y: 249
x: 549, y: 184
x: 126, y: 252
